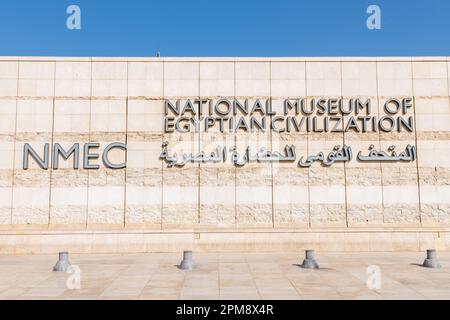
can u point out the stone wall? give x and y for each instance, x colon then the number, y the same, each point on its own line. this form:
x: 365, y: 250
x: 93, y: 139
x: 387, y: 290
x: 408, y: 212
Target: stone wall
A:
x: 218, y: 207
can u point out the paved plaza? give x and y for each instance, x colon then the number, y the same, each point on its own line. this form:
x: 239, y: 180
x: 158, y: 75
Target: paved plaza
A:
x: 226, y: 276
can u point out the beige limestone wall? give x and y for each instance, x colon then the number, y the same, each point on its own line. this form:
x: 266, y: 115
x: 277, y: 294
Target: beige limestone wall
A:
x: 264, y: 206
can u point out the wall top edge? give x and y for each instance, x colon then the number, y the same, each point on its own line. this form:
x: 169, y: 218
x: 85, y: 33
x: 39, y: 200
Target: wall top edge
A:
x: 224, y: 59
x: 114, y: 230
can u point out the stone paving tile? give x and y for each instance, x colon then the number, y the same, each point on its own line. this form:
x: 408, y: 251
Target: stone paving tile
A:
x: 226, y: 276
x: 12, y: 293
x: 49, y: 292
x: 357, y: 293
x: 161, y: 290
x: 280, y: 295
x: 199, y: 295
x: 237, y: 282
x: 239, y: 293
x: 163, y: 283
x: 158, y: 297
x: 436, y: 294
x: 83, y: 293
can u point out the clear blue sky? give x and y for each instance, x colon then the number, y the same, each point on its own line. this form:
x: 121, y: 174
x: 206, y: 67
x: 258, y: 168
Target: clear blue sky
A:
x: 225, y: 28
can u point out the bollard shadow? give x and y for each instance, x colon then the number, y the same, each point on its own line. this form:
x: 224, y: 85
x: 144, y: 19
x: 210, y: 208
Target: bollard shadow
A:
x: 417, y: 265
x: 300, y: 266
x: 178, y: 266
x: 422, y: 266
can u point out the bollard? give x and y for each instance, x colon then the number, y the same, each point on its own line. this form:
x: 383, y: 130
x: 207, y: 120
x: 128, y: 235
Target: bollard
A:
x: 63, y: 263
x: 187, y: 263
x: 431, y: 260
x: 310, y: 261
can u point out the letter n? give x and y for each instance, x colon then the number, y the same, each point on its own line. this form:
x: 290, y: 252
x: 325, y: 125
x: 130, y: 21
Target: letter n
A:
x: 29, y: 151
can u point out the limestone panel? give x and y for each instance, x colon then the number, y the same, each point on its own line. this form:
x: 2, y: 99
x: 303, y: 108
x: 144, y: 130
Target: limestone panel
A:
x: 326, y: 184
x: 145, y: 116
x: 217, y: 182
x: 181, y: 79
x: 400, y: 185
x: 36, y: 79
x: 72, y: 116
x: 144, y: 168
x: 363, y: 179
x: 31, y: 188
x: 394, y: 78
x: 8, y: 78
x: 430, y: 78
x: 217, y: 79
x: 69, y: 186
x: 359, y: 79
x: 323, y: 79
x: 288, y: 79
x: 34, y: 116
x: 254, y: 183
x: 433, y: 164
x: 6, y: 176
x: 145, y: 79
x: 432, y: 115
x: 181, y: 183
x: 5, y: 204
x: 7, y: 132
x: 109, y: 79
x: 73, y: 79
x: 448, y: 75
x: 108, y: 116
x: 8, y: 116
x: 252, y: 79
x: 106, y: 194
x: 290, y: 184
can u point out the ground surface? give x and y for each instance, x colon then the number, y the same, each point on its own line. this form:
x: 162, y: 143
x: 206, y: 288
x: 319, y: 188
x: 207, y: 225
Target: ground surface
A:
x: 226, y: 276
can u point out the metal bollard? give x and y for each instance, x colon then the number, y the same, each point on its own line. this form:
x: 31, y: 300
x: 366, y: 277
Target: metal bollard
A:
x: 310, y: 261
x: 431, y: 261
x: 187, y: 263
x: 63, y: 263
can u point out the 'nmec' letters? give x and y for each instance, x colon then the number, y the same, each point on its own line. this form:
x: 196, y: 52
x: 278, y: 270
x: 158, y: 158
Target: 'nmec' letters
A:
x: 89, y: 155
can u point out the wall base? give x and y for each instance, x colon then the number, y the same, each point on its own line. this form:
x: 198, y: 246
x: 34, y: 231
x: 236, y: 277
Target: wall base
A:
x: 114, y: 241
